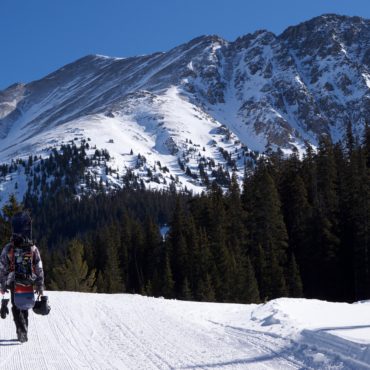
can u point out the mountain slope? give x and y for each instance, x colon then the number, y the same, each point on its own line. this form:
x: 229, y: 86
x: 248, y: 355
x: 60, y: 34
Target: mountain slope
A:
x: 98, y: 331
x: 200, y: 99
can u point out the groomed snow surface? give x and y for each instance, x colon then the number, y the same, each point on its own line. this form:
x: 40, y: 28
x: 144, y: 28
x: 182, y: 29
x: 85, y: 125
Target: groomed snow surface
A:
x: 122, y: 331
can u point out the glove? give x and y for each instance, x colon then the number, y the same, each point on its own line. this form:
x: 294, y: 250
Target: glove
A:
x: 3, y: 291
x: 4, y: 310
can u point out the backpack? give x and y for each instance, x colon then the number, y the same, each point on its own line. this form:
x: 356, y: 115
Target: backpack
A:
x: 21, y: 262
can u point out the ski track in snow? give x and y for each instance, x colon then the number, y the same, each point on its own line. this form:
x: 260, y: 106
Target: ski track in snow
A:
x: 122, y: 331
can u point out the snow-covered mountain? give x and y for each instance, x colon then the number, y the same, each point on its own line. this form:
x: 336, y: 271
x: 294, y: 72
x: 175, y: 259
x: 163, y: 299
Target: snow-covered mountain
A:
x: 121, y: 331
x: 208, y: 99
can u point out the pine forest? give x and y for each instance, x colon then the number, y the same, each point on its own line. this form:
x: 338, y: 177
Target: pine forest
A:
x: 299, y: 226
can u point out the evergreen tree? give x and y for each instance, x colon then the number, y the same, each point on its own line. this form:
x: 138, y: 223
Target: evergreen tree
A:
x: 11, y: 208
x: 205, y: 269
x: 294, y: 279
x: 298, y: 217
x: 74, y: 274
x: 136, y: 258
x: 267, y: 230
x: 234, y: 214
x: 347, y: 183
x: 261, y: 272
x: 177, y: 246
x: 152, y: 251
x: 186, y: 294
x: 168, y: 282
x: 113, y: 282
x: 111, y: 274
x: 250, y: 291
x: 8, y: 211
x: 206, y: 292
x: 277, y: 286
x: 222, y: 274
x: 326, y: 222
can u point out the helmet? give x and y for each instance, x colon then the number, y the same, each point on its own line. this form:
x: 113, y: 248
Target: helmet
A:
x: 22, y: 225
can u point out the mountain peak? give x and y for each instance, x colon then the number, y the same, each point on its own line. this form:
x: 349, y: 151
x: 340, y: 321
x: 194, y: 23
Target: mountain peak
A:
x: 206, y: 40
x: 264, y: 36
x: 325, y: 23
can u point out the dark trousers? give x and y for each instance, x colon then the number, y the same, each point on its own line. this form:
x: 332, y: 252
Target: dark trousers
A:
x: 20, y: 316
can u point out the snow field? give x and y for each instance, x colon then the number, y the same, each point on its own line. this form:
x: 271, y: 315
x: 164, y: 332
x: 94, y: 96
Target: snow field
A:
x: 122, y: 331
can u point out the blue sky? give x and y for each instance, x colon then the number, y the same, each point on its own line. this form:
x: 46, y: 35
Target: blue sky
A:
x: 39, y: 36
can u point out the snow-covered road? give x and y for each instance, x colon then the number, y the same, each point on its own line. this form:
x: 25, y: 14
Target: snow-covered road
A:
x: 98, y: 331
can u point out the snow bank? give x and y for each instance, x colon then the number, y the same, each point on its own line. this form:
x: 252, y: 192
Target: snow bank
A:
x: 321, y: 329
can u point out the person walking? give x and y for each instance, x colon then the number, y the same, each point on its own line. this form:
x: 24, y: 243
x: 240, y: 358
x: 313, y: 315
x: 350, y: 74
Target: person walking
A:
x: 21, y: 272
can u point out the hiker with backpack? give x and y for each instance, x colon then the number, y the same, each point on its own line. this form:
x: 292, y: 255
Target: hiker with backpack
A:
x: 21, y: 272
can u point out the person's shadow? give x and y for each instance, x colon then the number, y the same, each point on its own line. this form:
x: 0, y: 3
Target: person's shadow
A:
x: 9, y: 342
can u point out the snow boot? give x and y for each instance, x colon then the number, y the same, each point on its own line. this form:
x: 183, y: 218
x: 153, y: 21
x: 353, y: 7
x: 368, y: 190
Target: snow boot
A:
x: 22, y: 336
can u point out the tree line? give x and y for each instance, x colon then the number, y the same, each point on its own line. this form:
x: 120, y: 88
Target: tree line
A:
x: 297, y: 227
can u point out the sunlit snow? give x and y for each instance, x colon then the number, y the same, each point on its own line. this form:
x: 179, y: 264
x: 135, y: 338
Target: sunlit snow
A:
x: 121, y: 331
